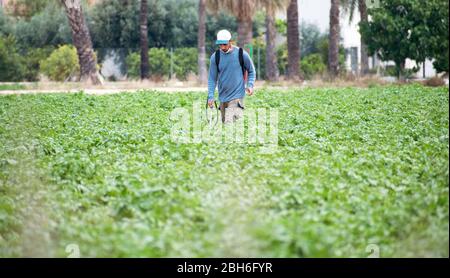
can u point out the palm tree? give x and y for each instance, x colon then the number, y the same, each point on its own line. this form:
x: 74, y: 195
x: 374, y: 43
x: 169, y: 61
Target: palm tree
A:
x: 271, y: 7
x: 333, y: 49
x: 243, y: 10
x: 364, y: 52
x: 272, y: 72
x: 202, y: 74
x: 349, y: 7
x: 82, y: 41
x: 144, y: 39
x: 293, y: 41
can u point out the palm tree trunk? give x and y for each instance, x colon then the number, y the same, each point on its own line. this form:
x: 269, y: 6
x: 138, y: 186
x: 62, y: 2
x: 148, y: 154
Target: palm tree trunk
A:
x: 424, y: 75
x: 364, y: 56
x: 144, y: 40
x: 272, y: 72
x: 293, y: 41
x: 202, y: 74
x: 245, y: 31
x: 401, y: 71
x: 333, y: 50
x: 82, y: 41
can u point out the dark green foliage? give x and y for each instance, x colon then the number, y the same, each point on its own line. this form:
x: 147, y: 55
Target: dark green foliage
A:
x: 312, y: 65
x: 323, y: 50
x: 62, y: 64
x: 310, y: 38
x: 48, y: 28
x: 159, y: 63
x: 33, y: 59
x: 414, y: 29
x: 12, y: 67
x: 185, y: 62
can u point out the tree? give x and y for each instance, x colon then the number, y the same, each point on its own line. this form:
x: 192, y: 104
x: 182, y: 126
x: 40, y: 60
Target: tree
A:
x: 202, y: 74
x: 272, y: 72
x: 441, y: 62
x: 310, y: 36
x: 170, y: 23
x: 350, y: 6
x: 144, y: 39
x: 313, y: 65
x: 271, y: 6
x: 49, y: 27
x: 11, y: 62
x: 324, y: 51
x: 114, y: 24
x: 333, y: 56
x: 243, y: 10
x: 26, y: 8
x: 293, y: 41
x: 364, y: 55
x: 5, y: 23
x: 82, y: 41
x: 407, y: 29
x: 436, y: 33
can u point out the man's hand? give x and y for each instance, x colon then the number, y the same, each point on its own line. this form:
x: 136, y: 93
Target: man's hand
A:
x: 211, y: 103
x: 249, y: 91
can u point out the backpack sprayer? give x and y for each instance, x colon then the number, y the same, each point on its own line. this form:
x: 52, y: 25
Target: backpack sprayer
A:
x: 210, y: 115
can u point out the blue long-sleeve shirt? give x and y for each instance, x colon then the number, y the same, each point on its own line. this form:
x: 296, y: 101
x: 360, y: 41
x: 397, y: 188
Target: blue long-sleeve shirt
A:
x: 230, y: 79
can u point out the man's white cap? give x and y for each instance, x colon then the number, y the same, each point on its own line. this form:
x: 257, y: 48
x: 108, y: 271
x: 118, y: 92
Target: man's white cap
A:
x: 223, y: 37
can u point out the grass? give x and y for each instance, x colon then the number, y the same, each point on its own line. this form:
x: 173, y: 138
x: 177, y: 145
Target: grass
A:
x: 12, y: 87
x: 353, y: 167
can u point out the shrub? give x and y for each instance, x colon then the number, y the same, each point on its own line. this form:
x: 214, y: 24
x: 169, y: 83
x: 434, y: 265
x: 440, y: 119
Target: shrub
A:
x: 260, y: 43
x: 159, y: 63
x: 393, y: 70
x: 282, y: 58
x: 312, y: 65
x: 33, y: 59
x: 441, y: 62
x: 5, y: 23
x: 133, y: 62
x: 323, y: 46
x: 11, y: 62
x: 185, y: 62
x: 62, y: 64
x: 390, y: 70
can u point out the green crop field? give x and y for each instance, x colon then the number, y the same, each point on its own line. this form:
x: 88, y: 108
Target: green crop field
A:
x: 355, y: 171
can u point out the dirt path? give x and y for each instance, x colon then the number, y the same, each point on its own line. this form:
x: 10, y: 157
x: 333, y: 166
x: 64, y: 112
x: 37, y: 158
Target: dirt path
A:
x: 106, y: 91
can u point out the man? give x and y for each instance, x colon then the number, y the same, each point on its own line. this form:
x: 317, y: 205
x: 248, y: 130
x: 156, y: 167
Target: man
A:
x: 230, y: 72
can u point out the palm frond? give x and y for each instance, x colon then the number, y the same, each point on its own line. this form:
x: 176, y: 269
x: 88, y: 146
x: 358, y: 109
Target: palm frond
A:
x: 349, y: 7
x: 239, y: 8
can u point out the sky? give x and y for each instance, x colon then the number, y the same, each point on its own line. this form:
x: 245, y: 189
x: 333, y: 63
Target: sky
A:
x: 316, y: 12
